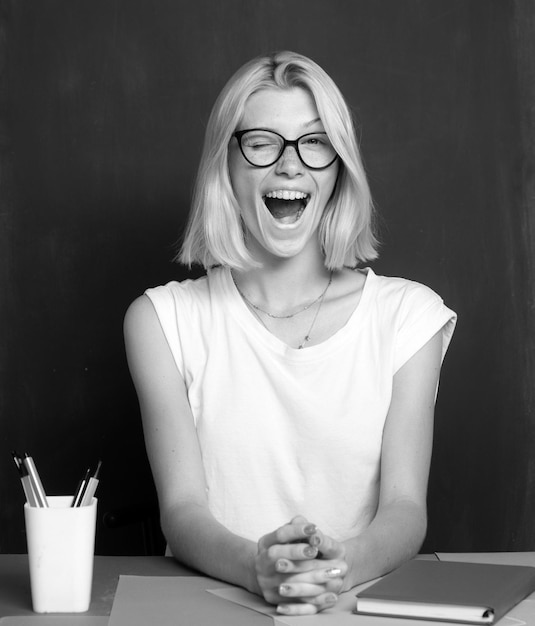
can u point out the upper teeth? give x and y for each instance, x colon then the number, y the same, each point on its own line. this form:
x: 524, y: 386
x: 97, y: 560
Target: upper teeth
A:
x: 285, y: 194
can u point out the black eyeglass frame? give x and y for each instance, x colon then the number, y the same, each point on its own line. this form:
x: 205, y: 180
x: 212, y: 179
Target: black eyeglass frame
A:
x: 285, y: 143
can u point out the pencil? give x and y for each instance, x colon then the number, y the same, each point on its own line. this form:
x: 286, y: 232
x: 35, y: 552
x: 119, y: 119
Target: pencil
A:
x: 35, y: 481
x: 24, y: 479
x: 91, y: 487
x: 80, y: 491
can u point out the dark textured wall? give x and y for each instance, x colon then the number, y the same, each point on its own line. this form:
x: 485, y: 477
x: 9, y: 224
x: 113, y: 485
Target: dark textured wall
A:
x: 102, y: 110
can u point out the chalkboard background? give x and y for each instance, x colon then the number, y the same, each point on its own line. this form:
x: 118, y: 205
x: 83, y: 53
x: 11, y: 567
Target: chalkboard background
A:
x: 102, y: 109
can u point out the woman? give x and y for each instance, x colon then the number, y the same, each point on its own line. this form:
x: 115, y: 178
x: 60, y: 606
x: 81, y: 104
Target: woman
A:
x: 287, y: 397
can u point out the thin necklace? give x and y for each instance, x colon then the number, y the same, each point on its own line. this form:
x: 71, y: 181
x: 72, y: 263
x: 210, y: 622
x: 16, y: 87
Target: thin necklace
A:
x: 283, y: 317
x: 306, y: 338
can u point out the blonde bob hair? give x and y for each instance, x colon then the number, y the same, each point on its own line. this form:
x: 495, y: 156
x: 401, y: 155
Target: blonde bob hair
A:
x: 214, y: 234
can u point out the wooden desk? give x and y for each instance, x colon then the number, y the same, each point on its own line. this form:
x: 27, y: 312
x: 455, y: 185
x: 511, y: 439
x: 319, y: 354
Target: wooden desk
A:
x: 15, y: 597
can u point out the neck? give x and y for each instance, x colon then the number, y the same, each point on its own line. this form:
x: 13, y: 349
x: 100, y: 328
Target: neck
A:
x: 284, y: 285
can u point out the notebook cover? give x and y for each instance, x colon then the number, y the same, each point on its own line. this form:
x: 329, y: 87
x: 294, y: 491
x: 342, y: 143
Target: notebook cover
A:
x: 498, y: 587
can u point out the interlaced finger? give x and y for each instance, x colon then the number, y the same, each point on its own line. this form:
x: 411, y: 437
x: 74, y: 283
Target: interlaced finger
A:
x: 289, y: 533
x: 321, y: 570
x: 308, y: 606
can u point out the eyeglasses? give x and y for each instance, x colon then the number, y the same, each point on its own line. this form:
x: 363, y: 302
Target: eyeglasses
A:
x: 263, y: 148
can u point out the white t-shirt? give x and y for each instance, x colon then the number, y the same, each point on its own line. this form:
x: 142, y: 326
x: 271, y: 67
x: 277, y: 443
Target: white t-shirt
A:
x: 286, y: 431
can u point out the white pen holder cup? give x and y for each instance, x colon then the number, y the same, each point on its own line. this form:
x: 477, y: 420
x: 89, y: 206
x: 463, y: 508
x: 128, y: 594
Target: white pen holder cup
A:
x: 61, y: 546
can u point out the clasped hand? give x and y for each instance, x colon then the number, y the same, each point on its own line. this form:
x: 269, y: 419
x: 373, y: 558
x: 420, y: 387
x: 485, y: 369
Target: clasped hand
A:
x: 300, y: 569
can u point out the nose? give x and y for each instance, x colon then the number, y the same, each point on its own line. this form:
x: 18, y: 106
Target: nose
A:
x: 289, y: 163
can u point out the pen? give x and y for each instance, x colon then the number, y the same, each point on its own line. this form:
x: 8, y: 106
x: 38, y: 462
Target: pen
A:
x: 24, y: 479
x: 80, y: 490
x: 91, y: 487
x: 35, y: 481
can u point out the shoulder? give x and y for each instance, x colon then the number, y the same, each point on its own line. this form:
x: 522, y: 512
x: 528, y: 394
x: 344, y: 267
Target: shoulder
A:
x: 139, y: 315
x: 187, y: 296
x: 175, y: 300
x: 189, y: 288
x: 407, y: 304
x: 415, y: 311
x: 395, y: 292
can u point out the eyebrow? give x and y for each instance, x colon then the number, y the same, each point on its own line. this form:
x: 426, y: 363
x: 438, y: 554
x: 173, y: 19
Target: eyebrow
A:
x: 305, y: 125
x: 312, y: 122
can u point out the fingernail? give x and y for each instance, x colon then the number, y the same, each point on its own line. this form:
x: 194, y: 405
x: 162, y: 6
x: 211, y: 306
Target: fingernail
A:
x: 281, y: 565
x: 309, y: 529
x: 333, y: 572
x: 284, y: 589
x: 314, y: 540
x: 310, y: 551
x: 331, y: 597
x: 282, y: 608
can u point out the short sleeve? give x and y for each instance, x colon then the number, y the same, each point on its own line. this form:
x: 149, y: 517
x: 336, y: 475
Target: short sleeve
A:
x: 183, y: 310
x: 421, y: 315
x: 165, y: 305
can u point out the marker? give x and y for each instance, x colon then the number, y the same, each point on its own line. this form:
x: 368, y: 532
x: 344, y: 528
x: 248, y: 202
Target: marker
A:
x: 80, y: 490
x: 35, y: 481
x: 24, y: 479
x: 91, y: 487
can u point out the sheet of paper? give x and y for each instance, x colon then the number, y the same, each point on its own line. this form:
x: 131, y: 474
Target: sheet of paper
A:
x: 176, y: 601
x: 239, y: 596
x: 245, y: 598
x: 345, y: 603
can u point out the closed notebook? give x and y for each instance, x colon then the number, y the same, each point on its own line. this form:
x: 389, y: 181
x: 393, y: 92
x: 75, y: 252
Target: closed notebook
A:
x: 473, y: 593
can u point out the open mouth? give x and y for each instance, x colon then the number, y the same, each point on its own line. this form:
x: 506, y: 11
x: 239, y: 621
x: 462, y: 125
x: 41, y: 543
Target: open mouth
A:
x: 286, y: 206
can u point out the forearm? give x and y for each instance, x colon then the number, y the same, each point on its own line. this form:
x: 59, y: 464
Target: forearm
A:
x: 198, y: 540
x: 395, y: 535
